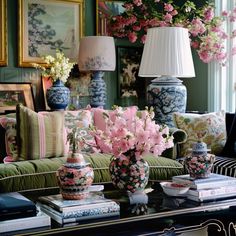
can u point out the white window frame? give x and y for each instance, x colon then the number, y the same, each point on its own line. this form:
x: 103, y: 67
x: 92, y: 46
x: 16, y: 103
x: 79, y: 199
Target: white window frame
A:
x: 221, y: 80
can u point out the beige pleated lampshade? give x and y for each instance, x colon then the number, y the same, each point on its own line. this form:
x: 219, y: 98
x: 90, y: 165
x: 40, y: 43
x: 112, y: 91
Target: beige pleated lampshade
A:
x: 97, y: 53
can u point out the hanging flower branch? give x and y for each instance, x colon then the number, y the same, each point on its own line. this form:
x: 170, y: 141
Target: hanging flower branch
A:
x: 206, y: 30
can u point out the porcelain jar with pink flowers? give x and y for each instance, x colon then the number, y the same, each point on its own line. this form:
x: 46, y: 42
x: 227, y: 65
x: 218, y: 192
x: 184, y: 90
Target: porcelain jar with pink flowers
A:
x: 199, y: 163
x: 76, y: 175
x: 129, y: 173
x: 129, y: 135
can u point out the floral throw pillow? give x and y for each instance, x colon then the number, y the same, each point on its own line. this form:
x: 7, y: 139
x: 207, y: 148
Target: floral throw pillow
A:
x: 81, y: 119
x: 209, y: 128
x: 9, y: 124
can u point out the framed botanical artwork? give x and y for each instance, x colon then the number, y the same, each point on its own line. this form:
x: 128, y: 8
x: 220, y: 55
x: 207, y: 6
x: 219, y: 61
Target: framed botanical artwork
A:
x: 105, y: 9
x: 13, y: 93
x: 47, y: 25
x: 129, y: 83
x: 3, y: 33
x: 131, y: 87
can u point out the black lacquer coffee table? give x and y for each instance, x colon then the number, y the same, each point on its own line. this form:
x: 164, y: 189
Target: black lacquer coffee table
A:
x: 162, y: 215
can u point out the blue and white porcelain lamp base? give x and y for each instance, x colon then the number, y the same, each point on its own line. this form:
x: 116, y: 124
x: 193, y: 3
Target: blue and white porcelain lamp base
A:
x: 97, y: 90
x: 166, y: 95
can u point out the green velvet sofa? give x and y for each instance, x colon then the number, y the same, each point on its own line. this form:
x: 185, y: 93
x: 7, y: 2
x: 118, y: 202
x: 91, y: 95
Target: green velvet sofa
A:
x: 40, y: 174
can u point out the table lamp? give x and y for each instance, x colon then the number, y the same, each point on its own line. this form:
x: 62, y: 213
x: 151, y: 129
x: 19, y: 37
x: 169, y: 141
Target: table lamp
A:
x: 167, y: 55
x: 97, y: 54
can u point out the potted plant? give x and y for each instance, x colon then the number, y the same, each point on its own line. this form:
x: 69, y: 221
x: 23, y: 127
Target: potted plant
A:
x: 76, y: 175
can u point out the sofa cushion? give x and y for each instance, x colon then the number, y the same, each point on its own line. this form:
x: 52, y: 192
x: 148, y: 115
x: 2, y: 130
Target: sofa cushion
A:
x: 8, y: 144
x: 41, y: 174
x: 224, y: 166
x: 210, y: 128
x: 39, y: 135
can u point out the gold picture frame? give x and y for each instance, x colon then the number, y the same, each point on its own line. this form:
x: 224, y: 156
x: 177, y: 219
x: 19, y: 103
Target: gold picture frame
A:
x: 13, y: 93
x: 105, y: 9
x: 45, y: 26
x: 3, y: 33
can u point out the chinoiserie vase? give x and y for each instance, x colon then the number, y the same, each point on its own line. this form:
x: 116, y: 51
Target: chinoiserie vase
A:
x: 199, y: 163
x: 129, y: 174
x: 75, y: 177
x: 166, y: 95
x: 97, y: 90
x: 58, y: 96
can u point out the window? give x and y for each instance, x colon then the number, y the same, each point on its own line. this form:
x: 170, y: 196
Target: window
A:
x: 222, y: 80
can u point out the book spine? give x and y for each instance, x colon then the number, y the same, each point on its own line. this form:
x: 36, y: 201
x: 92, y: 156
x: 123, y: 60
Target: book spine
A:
x: 215, y: 184
x: 87, y: 206
x: 25, y: 223
x: 210, y: 198
x: 213, y: 191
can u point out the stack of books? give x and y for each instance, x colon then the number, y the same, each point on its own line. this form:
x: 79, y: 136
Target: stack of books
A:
x: 72, y: 212
x: 16, y: 211
x: 214, y: 187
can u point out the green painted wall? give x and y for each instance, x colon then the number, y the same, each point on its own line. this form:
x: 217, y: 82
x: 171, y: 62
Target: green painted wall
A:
x: 197, y: 87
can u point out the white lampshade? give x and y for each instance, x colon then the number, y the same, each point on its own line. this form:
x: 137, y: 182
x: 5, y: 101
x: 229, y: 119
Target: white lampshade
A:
x: 167, y: 52
x: 97, y: 53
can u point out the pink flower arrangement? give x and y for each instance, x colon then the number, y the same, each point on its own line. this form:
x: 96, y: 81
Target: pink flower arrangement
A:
x: 206, y: 30
x: 132, y: 133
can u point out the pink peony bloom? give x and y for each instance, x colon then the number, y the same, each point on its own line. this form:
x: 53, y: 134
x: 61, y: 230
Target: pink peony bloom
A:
x: 168, y: 7
x: 138, y: 2
x: 132, y: 37
x: 225, y: 13
x: 208, y: 14
x: 195, y: 44
x: 143, y: 38
x: 136, y: 27
x: 168, y: 17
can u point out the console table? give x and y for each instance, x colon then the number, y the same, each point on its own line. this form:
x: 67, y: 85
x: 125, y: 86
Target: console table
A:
x: 162, y: 215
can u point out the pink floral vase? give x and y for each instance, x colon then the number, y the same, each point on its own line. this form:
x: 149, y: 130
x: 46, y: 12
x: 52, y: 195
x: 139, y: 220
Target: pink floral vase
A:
x: 129, y: 174
x: 199, y: 163
x: 74, y: 177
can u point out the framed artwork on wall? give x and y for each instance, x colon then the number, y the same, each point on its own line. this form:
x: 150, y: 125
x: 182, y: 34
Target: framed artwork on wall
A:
x: 131, y: 87
x: 13, y: 93
x: 46, y: 84
x: 3, y: 33
x: 45, y: 26
x: 104, y: 10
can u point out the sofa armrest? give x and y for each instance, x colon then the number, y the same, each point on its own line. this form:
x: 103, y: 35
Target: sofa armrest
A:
x: 180, y: 136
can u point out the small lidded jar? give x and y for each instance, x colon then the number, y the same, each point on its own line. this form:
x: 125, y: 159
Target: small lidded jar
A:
x: 199, y: 163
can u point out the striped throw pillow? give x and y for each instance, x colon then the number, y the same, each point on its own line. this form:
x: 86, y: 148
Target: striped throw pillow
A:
x: 39, y: 135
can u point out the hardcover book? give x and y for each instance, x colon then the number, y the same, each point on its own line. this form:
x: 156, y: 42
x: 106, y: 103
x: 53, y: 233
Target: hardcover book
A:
x: 213, y: 181
x: 108, y: 211
x: 14, y: 205
x: 38, y: 221
x: 58, y: 203
x: 211, y: 192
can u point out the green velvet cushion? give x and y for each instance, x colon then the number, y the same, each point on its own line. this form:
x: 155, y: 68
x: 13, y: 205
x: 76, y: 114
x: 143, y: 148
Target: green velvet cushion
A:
x: 39, y: 135
x: 40, y: 174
